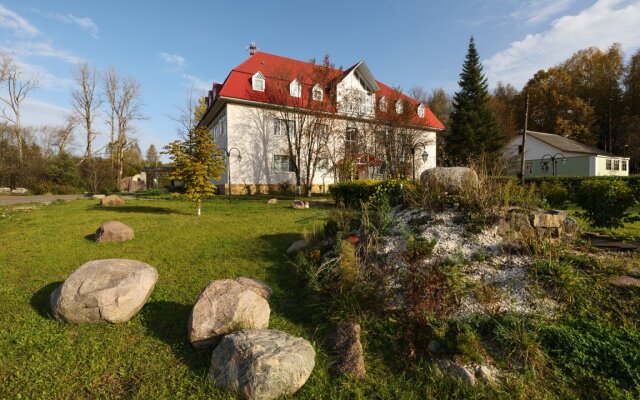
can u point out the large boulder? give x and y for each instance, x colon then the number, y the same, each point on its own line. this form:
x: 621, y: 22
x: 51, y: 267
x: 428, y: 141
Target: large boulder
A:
x: 452, y: 180
x: 112, y: 200
x: 272, y: 201
x: 344, y: 343
x: 225, y: 306
x: 5, y: 190
x: 299, y: 204
x: 114, y: 231
x: 19, y: 191
x: 262, y: 364
x: 257, y: 286
x: 112, y: 290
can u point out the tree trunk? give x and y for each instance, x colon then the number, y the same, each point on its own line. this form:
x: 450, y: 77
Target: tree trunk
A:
x: 18, y: 133
x: 198, y: 207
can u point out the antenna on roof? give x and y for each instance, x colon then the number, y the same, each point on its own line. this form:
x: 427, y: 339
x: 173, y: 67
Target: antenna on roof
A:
x: 253, y: 49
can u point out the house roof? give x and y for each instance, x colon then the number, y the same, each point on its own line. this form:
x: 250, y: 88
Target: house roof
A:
x: 284, y: 70
x: 565, y: 144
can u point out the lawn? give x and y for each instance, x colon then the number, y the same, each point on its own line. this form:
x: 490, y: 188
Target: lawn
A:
x: 630, y: 230
x: 148, y: 357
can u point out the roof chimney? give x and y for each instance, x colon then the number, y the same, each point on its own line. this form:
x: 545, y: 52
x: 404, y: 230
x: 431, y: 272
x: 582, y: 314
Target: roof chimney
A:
x: 253, y: 49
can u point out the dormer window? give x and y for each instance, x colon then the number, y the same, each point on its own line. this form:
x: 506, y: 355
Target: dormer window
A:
x: 421, y: 111
x: 257, y: 81
x: 383, y: 103
x: 399, y: 107
x: 317, y: 93
x: 294, y: 88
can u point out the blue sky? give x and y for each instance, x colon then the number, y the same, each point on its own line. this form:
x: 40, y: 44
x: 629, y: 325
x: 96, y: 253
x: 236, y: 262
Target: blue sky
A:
x: 170, y: 46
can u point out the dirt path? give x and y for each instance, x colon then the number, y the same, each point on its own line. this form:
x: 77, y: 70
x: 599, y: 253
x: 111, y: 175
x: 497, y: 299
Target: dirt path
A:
x: 8, y: 200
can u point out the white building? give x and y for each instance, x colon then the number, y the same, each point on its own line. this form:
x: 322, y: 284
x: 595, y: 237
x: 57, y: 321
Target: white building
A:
x: 547, y: 154
x: 348, y: 125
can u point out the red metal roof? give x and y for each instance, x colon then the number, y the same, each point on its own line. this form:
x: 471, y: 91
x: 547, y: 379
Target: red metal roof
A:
x: 280, y: 71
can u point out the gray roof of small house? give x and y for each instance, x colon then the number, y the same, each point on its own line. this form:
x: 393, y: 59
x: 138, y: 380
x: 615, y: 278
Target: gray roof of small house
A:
x: 565, y: 144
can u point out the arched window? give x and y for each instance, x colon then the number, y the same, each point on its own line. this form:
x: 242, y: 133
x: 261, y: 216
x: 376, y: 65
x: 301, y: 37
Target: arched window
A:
x: 383, y: 103
x: 317, y: 92
x: 399, y: 107
x: 257, y: 81
x: 294, y: 88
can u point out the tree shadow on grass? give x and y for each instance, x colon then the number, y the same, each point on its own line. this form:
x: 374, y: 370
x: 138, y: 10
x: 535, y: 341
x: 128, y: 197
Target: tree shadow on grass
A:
x: 168, y: 322
x: 139, y: 209
x: 41, y: 300
x: 292, y: 301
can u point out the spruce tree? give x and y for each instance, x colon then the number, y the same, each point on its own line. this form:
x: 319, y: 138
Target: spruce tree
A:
x: 474, y: 129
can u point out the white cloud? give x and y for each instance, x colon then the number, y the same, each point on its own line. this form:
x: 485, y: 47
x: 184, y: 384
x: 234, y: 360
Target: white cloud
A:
x: 14, y: 22
x: 198, y: 84
x: 172, y: 58
x: 538, y: 11
x: 42, y: 49
x: 602, y: 24
x: 84, y: 23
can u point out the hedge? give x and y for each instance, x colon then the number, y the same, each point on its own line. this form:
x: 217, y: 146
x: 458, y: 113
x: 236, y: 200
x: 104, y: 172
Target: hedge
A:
x: 354, y: 193
x: 573, y: 183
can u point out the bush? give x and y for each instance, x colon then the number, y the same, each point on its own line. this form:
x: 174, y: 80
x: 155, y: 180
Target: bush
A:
x: 354, y: 193
x: 420, y: 247
x: 605, y: 201
x: 555, y: 194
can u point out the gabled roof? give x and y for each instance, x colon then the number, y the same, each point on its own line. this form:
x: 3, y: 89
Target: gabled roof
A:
x: 284, y: 70
x: 565, y: 144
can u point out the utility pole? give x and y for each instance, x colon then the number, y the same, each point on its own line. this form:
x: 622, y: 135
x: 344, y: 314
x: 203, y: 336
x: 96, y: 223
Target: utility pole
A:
x: 524, y: 140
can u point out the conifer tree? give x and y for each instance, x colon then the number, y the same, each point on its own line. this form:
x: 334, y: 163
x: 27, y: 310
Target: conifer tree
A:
x: 474, y: 129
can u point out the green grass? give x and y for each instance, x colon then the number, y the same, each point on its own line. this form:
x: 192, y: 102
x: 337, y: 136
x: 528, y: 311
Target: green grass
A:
x: 630, y: 230
x: 149, y: 357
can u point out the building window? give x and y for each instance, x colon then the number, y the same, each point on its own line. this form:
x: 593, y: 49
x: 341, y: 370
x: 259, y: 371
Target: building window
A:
x: 283, y: 127
x: 219, y: 128
x: 383, y: 103
x: 317, y: 92
x: 421, y: 111
x: 367, y: 106
x: 351, y: 140
x: 544, y: 167
x: 608, y: 165
x: 624, y: 165
x: 399, y: 107
x: 616, y: 165
x: 282, y: 163
x: 257, y: 82
x: 294, y: 88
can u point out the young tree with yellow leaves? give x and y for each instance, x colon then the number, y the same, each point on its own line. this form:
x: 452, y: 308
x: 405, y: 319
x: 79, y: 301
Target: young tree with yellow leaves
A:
x: 197, y: 162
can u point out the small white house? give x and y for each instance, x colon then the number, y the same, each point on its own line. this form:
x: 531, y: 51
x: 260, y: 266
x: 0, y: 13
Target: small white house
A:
x: 547, y: 154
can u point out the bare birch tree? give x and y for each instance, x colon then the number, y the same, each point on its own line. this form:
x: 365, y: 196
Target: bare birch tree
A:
x: 123, y: 96
x: 18, y: 87
x: 188, y: 115
x: 86, y: 102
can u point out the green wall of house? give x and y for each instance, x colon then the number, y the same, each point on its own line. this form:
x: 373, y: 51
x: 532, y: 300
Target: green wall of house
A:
x: 575, y: 166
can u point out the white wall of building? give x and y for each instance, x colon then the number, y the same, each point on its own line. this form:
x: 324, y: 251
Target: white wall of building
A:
x: 534, y: 149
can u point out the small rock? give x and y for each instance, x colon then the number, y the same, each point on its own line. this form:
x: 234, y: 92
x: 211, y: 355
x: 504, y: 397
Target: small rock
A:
x: 19, y: 191
x: 272, y: 201
x: 113, y: 231
x: 112, y: 200
x: 257, y: 286
x: 296, y: 246
x: 98, y: 196
x: 546, y: 220
x: 306, y: 204
x: 111, y: 291
x: 344, y: 343
x: 225, y: 306
x: 464, y: 373
x: 262, y: 364
x: 5, y: 190
x: 46, y: 203
x: 298, y: 204
x: 24, y: 208
x: 487, y: 374
x: 625, y: 281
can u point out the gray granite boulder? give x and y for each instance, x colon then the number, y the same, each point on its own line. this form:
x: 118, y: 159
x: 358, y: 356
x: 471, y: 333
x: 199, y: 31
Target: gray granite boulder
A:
x: 111, y: 290
x: 225, y: 306
x: 114, y: 231
x: 262, y: 364
x: 257, y: 286
x: 452, y: 180
x: 112, y: 200
x: 298, y: 205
